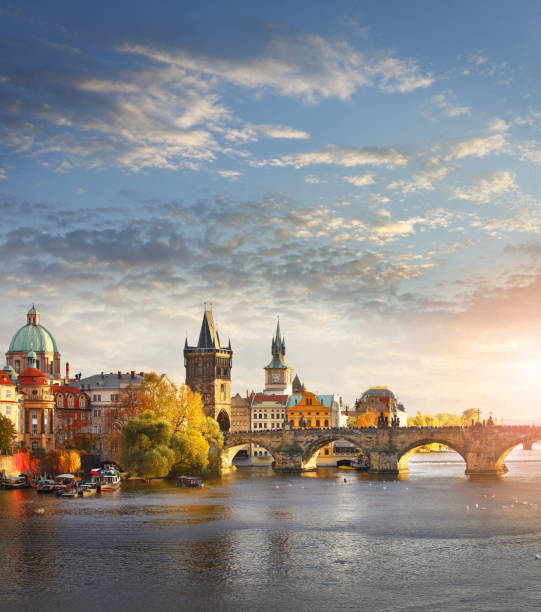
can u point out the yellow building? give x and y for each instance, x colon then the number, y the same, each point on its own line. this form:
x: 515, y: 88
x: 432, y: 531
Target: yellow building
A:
x: 309, y: 412
x: 9, y: 400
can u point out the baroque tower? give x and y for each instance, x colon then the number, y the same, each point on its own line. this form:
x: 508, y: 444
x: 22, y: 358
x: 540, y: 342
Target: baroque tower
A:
x: 278, y: 375
x: 208, y: 371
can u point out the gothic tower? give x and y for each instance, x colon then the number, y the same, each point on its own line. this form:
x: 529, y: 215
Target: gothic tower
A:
x: 278, y: 375
x: 208, y: 371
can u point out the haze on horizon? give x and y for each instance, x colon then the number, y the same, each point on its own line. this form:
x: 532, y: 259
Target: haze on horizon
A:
x: 369, y: 172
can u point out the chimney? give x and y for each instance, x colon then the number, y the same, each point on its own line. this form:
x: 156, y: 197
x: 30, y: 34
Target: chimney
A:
x: 132, y: 373
x: 119, y: 374
x: 102, y: 374
x: 141, y: 373
x: 67, y: 371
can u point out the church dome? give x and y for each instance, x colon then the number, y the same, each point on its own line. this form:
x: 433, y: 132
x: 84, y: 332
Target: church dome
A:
x: 32, y: 336
x: 377, y: 392
x: 32, y: 376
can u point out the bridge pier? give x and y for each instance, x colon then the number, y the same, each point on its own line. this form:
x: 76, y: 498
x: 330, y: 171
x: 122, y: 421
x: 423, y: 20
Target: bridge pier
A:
x: 288, y: 461
x: 527, y: 445
x: 386, y: 461
x: 483, y: 464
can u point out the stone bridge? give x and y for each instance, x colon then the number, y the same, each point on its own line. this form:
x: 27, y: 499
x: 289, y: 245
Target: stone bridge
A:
x: 483, y: 448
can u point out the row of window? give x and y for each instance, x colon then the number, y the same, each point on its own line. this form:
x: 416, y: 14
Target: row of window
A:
x: 96, y: 397
x: 264, y: 425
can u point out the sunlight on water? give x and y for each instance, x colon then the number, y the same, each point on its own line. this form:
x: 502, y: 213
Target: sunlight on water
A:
x: 256, y: 540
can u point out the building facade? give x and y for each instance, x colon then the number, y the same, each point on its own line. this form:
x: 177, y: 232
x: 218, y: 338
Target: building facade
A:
x: 240, y: 413
x: 376, y: 403
x: 38, y: 404
x: 208, y: 371
x: 113, y: 398
x: 268, y: 412
x: 9, y: 402
x: 72, y: 415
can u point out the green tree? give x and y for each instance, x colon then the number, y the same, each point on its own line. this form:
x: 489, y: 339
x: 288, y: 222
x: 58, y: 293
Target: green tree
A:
x: 191, y: 451
x: 8, y: 434
x: 145, y: 446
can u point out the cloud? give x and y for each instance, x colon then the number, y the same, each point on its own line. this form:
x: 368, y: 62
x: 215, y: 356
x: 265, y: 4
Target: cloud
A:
x: 360, y: 180
x: 339, y: 155
x: 313, y: 179
x: 304, y: 66
x: 448, y: 103
x: 230, y: 175
x: 3, y: 174
x: 478, y: 147
x: 486, y: 190
x: 423, y: 181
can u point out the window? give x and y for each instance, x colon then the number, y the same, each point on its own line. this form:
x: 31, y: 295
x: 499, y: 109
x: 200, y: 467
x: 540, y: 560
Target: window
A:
x: 35, y: 445
x: 70, y: 401
x: 97, y: 412
x: 318, y: 424
x: 326, y: 422
x: 326, y: 451
x: 114, y: 397
x: 51, y: 368
x: 96, y: 429
x: 34, y: 416
x: 8, y: 393
x: 96, y: 398
x: 265, y: 425
x: 37, y: 364
x: 222, y: 392
x: 82, y: 402
x: 17, y: 366
x: 60, y: 401
x: 34, y: 428
x: 8, y: 410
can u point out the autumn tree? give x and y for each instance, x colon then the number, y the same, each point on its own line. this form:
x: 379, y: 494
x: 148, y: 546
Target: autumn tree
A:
x: 8, y: 434
x: 127, y: 405
x: 63, y: 461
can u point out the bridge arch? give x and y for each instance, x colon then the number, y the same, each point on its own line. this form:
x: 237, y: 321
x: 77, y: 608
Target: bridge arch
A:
x: 309, y: 457
x: 406, y: 453
x: 230, y: 450
x: 502, y: 453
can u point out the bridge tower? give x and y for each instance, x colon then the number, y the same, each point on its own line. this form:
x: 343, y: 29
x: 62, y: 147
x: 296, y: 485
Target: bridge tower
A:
x: 208, y: 371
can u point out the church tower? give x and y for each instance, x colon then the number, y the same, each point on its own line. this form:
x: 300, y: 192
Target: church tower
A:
x: 278, y: 375
x: 208, y: 371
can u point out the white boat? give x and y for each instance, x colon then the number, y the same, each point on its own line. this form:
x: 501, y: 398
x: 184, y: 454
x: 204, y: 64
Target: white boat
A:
x: 105, y: 480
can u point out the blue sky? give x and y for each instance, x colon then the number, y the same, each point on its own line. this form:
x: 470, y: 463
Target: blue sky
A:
x: 367, y: 171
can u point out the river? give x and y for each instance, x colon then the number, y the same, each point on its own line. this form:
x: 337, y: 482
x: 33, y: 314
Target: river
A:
x: 256, y: 540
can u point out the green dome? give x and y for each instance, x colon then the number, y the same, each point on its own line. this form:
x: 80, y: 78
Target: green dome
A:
x: 32, y: 338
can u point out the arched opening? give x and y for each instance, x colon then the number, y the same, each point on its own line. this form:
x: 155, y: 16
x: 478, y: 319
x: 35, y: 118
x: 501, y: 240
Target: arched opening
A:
x: 246, y: 453
x: 431, y: 453
x: 321, y: 453
x: 514, y: 456
x: 223, y: 421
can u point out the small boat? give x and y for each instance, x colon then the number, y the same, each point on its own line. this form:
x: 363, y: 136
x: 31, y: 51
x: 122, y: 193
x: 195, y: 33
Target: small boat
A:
x: 65, y: 483
x: 189, y: 481
x: 105, y: 479
x: 363, y: 464
x: 346, y: 467
x: 86, y: 489
x: 16, y: 482
x: 44, y: 485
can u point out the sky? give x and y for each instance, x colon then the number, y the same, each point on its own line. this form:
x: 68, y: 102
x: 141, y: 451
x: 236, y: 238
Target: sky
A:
x: 366, y: 171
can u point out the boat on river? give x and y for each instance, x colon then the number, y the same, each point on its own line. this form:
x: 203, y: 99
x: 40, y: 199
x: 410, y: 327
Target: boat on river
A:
x: 15, y: 482
x: 105, y: 479
x: 45, y: 485
x: 190, y: 481
x: 65, y: 485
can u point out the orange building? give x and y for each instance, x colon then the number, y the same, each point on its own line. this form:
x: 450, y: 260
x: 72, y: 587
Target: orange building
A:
x: 309, y: 412
x: 38, y: 403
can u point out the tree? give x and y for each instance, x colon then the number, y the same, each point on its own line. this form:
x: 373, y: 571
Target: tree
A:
x: 215, y: 439
x: 8, y: 434
x: 145, y: 446
x: 62, y: 461
x: 191, y: 451
x: 180, y: 407
x: 128, y: 405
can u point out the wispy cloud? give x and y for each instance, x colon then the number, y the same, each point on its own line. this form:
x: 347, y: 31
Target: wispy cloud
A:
x: 339, y: 155
x: 448, y: 103
x: 360, y: 180
x: 488, y: 189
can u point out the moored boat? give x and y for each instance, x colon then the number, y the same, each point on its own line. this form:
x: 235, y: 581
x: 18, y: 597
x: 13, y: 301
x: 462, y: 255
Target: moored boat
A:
x: 189, y: 481
x: 15, y: 482
x: 45, y: 485
x: 105, y: 479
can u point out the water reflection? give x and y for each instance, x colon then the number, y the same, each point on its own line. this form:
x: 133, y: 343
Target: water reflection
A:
x: 265, y: 541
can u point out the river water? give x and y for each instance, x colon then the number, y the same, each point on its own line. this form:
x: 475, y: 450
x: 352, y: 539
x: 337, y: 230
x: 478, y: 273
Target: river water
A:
x: 256, y: 540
